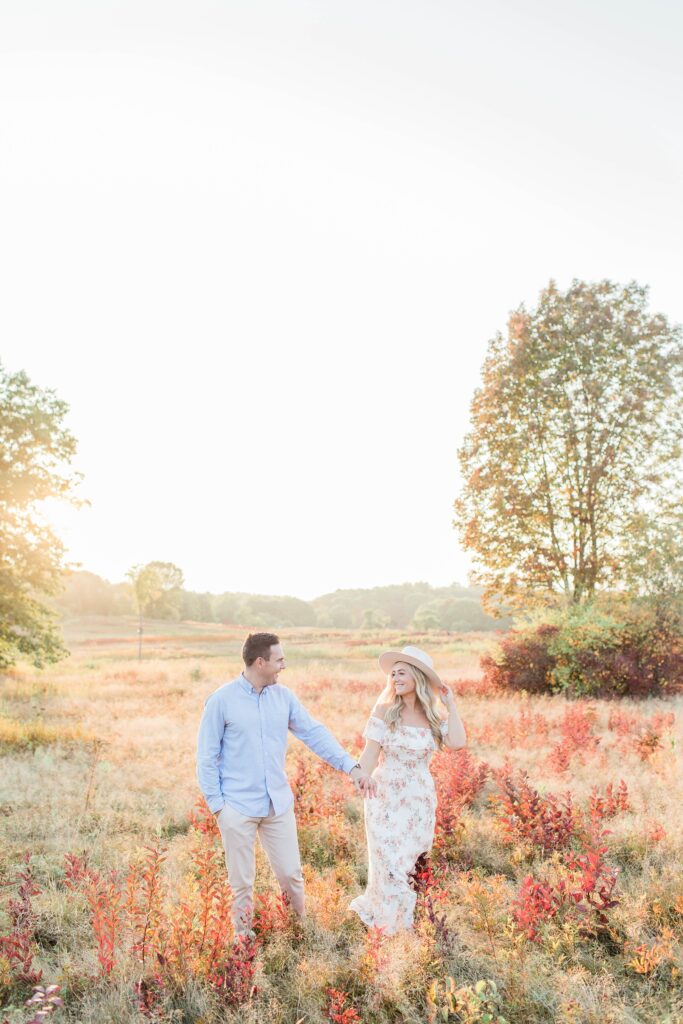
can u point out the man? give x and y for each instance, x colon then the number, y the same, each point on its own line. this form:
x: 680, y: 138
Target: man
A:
x: 241, y: 772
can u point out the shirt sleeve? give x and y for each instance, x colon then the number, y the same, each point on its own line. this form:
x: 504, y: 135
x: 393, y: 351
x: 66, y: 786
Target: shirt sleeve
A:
x: 209, y: 744
x: 444, y: 727
x: 317, y: 738
x: 375, y: 729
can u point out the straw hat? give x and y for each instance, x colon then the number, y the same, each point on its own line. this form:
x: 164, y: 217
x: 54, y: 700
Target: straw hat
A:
x: 411, y: 656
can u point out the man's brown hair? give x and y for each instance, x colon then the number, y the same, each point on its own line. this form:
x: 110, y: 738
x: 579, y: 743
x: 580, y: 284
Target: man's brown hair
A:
x: 257, y: 645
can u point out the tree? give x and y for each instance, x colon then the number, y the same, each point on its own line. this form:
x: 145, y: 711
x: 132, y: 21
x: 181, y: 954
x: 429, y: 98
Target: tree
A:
x: 655, y: 570
x: 372, y: 619
x: 458, y: 614
x: 156, y: 586
x: 427, y: 617
x: 196, y: 607
x: 575, y: 443
x: 88, y: 594
x: 35, y: 450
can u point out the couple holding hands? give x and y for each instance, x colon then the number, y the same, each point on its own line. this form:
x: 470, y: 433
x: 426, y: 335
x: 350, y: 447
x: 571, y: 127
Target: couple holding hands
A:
x: 241, y: 771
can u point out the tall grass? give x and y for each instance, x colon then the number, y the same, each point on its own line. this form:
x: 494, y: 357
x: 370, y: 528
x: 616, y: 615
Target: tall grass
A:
x: 553, y: 892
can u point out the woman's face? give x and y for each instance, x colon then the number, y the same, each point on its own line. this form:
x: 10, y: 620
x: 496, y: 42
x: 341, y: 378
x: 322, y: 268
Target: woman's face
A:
x: 402, y: 679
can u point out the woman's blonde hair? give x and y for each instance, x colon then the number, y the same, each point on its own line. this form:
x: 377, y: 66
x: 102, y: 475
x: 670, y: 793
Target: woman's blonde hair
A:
x: 425, y: 695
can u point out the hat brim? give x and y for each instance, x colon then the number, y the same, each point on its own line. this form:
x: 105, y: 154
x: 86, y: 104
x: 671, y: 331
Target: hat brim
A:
x: 388, y: 659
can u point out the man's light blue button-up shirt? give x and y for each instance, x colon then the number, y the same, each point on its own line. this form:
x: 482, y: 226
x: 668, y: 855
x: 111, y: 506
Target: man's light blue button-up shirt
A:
x: 242, y: 744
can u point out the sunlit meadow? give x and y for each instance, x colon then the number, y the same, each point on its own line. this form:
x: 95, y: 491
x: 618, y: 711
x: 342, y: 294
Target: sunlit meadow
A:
x: 554, y: 891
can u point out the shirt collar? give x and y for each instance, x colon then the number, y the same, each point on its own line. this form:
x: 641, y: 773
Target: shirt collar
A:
x: 246, y: 685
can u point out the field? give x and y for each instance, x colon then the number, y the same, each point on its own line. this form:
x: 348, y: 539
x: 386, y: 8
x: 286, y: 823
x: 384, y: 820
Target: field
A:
x: 554, y: 890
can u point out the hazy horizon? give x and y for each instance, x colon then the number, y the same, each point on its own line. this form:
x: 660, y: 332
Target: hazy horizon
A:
x: 310, y: 597
x: 260, y: 250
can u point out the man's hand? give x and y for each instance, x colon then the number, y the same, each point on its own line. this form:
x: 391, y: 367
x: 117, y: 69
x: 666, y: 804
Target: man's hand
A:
x: 364, y: 783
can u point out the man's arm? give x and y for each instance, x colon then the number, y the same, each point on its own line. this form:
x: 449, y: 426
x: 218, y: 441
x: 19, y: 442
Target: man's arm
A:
x: 209, y: 743
x: 321, y: 741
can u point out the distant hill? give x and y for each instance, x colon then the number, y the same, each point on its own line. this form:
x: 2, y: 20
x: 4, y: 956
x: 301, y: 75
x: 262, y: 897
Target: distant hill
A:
x: 416, y: 605
x: 401, y: 606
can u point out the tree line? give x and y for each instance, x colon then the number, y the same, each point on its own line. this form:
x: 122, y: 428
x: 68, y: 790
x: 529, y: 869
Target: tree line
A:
x: 156, y: 592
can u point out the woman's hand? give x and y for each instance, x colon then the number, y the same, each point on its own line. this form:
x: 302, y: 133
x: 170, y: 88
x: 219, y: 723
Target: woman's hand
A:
x: 363, y: 781
x: 456, y: 738
x: 447, y: 697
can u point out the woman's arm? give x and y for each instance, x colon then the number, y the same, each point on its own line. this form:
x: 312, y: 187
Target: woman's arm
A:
x: 456, y: 737
x: 370, y: 756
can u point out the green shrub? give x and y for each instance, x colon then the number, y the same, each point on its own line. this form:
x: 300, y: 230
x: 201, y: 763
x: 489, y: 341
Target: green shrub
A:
x: 589, y: 652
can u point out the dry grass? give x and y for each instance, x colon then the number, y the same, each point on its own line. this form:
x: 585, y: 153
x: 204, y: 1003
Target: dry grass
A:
x: 23, y: 735
x: 98, y: 756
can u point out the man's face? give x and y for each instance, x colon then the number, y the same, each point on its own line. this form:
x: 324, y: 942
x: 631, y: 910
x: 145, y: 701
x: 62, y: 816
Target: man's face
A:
x: 270, y: 670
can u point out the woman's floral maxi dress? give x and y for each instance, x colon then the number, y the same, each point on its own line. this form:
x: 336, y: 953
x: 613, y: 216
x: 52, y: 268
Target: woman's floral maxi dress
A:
x: 399, y: 823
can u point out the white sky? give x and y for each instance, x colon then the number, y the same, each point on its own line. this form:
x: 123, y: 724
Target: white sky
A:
x: 260, y: 247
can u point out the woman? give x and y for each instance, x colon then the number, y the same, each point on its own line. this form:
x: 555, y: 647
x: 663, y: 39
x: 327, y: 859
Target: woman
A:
x: 402, y: 733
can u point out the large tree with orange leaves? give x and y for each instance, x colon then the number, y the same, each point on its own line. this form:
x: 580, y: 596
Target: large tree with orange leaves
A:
x: 574, y: 451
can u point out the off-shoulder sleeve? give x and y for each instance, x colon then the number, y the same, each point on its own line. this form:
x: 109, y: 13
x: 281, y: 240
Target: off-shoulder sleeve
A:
x: 444, y: 727
x: 375, y: 729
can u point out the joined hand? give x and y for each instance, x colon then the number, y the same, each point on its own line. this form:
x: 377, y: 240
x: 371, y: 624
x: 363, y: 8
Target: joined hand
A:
x: 364, y: 783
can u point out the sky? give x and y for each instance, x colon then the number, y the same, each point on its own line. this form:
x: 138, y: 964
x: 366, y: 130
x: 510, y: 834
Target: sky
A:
x: 259, y: 248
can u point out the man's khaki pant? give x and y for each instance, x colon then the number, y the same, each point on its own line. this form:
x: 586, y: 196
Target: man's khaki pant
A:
x: 277, y: 833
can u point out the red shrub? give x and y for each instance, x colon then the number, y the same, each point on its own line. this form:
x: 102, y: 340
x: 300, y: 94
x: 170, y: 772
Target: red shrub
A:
x: 588, y: 654
x: 458, y: 779
x: 104, y: 899
x: 337, y: 1011
x: 482, y: 687
x: 656, y: 832
x: 144, y: 904
x: 623, y: 722
x: 431, y: 892
x: 535, y: 904
x: 137, y: 908
x: 524, y: 662
x: 17, y: 947
x: 271, y: 913
x: 202, y: 819
x: 560, y: 757
x: 376, y: 956
x: 663, y: 721
x: 593, y: 891
x: 173, y: 941
x: 527, y: 729
x: 578, y: 738
x: 585, y: 894
x: 548, y: 823
x: 310, y: 804
x: 210, y: 924
x: 649, y: 739
x: 77, y: 872
x: 576, y: 727
x: 458, y: 776
x: 609, y: 805
x: 234, y: 979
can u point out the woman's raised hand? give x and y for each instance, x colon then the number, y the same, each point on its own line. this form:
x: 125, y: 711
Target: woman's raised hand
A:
x: 446, y: 695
